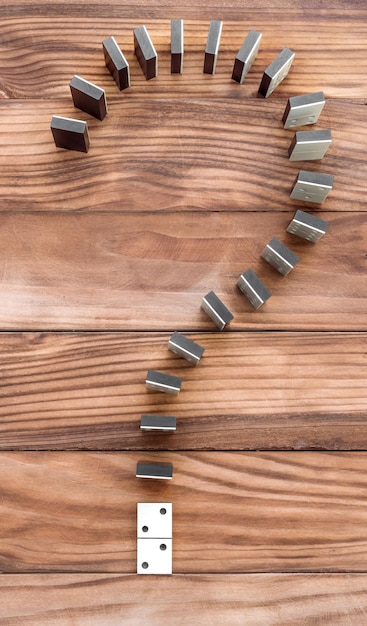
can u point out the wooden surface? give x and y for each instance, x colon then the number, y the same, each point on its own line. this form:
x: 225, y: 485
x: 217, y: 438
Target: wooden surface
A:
x: 127, y: 272
x: 84, y: 599
x: 175, y: 154
x: 232, y: 511
x: 104, y: 255
x: 251, y: 390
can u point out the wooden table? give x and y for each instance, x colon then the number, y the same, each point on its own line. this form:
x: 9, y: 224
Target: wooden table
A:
x: 104, y: 254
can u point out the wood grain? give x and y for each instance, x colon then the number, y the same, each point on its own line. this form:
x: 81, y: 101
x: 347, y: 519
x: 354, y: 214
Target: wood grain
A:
x: 129, y: 272
x: 95, y: 8
x: 109, y: 600
x: 174, y: 155
x: 233, y: 512
x: 47, y: 47
x: 185, y: 182
x: 250, y: 391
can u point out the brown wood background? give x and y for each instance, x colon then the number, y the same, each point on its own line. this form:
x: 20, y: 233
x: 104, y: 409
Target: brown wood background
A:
x: 104, y: 255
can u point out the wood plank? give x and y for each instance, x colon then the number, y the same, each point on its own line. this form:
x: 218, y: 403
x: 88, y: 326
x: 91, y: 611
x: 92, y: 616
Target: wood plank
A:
x: 174, y: 156
x: 48, y: 46
x: 142, y: 272
x: 233, y: 512
x: 251, y: 391
x: 269, y: 600
x: 94, y: 8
